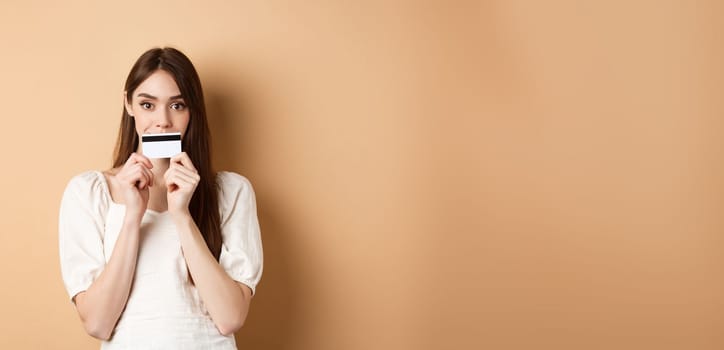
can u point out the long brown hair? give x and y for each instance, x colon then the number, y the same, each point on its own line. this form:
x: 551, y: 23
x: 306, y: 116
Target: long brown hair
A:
x: 204, y: 206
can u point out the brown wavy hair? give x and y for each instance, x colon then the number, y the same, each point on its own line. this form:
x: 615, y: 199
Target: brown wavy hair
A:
x: 204, y: 206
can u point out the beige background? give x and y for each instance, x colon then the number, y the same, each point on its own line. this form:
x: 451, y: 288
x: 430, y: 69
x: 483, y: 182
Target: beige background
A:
x: 429, y: 174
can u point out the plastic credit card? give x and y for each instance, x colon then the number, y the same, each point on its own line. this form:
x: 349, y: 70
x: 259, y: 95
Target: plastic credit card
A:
x: 165, y: 145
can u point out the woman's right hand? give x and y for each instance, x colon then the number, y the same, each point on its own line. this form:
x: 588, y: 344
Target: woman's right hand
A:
x: 134, y: 179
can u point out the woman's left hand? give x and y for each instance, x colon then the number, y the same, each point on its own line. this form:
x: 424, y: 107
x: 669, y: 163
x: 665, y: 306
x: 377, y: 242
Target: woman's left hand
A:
x: 181, y: 181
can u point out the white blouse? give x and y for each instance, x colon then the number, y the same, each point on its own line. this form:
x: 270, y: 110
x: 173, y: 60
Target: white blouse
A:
x: 164, y: 310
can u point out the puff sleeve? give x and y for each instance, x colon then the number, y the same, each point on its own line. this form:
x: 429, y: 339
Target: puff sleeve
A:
x: 81, y: 230
x: 241, y: 251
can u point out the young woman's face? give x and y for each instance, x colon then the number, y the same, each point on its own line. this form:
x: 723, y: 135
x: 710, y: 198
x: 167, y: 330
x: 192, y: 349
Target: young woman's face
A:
x: 157, y: 106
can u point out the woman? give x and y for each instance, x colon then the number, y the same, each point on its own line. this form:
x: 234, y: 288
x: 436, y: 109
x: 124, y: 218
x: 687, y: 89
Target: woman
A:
x: 161, y: 253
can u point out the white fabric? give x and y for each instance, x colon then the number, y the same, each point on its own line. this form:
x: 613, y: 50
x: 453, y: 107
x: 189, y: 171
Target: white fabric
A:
x: 164, y: 310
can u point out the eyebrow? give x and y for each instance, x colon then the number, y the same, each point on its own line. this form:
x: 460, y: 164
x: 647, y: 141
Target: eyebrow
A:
x: 143, y: 94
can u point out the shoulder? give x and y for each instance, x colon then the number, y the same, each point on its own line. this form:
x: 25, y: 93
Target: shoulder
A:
x: 89, y: 185
x: 230, y: 182
x: 86, y: 182
x: 235, y: 194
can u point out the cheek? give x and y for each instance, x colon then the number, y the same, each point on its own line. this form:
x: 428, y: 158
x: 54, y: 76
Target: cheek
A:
x: 141, y: 120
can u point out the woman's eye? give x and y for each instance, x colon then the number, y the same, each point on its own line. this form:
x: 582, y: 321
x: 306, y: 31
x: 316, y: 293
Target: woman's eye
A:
x: 146, y: 105
x: 178, y: 106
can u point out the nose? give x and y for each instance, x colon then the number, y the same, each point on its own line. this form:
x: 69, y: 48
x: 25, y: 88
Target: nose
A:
x: 163, y: 119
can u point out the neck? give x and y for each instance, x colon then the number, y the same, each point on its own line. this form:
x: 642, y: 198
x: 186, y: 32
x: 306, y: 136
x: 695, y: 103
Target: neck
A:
x: 160, y: 165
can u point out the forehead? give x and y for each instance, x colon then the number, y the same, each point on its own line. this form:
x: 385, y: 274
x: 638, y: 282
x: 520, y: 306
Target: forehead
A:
x: 160, y: 84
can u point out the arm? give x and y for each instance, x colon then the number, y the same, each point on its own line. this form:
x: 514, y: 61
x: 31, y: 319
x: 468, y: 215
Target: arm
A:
x: 226, y: 300
x: 101, y: 305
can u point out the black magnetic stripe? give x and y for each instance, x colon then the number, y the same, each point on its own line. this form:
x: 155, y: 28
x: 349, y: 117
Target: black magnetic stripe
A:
x: 161, y: 138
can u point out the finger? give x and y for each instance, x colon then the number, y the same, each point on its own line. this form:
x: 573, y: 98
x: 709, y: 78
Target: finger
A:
x: 189, y: 172
x: 140, y: 176
x: 149, y: 174
x: 176, y: 180
x: 168, y: 178
x: 140, y: 158
x: 139, y: 181
x: 186, y: 179
x: 183, y: 159
x: 131, y: 160
x: 131, y: 173
x: 142, y: 183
